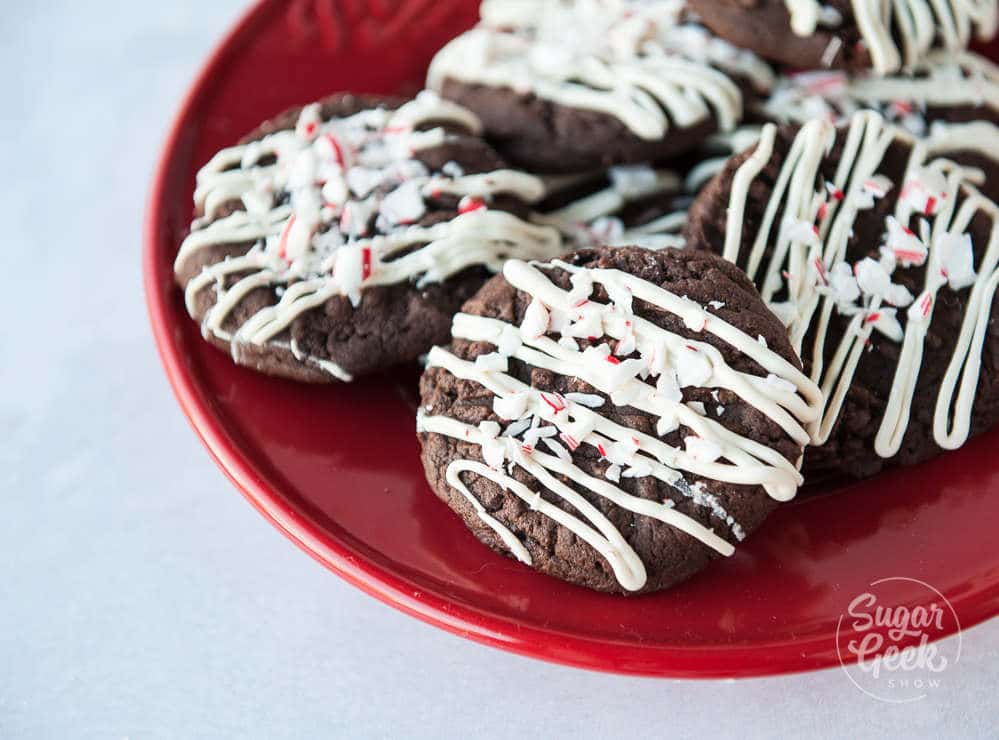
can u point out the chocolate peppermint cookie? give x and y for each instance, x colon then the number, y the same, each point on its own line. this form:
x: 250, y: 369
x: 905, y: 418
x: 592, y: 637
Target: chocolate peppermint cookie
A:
x: 573, y: 86
x: 880, y: 253
x: 617, y: 420
x: 849, y: 34
x: 341, y: 237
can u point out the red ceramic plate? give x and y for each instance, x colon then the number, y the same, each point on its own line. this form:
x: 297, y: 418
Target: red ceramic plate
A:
x: 337, y: 468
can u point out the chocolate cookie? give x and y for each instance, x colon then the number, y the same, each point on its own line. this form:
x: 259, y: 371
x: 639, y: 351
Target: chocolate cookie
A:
x: 881, y: 257
x: 575, y: 86
x: 849, y: 34
x: 618, y: 419
x: 341, y: 237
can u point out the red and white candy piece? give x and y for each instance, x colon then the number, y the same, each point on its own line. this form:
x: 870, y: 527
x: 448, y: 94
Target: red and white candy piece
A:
x: 871, y: 189
x: 309, y: 120
x: 470, y: 203
x: 693, y: 368
x: 295, y: 239
x: 925, y: 192
x: 802, y: 232
x: 552, y: 404
x: 885, y: 321
x: 908, y: 249
x: 334, y: 151
x: 353, y: 267
x: 920, y: 310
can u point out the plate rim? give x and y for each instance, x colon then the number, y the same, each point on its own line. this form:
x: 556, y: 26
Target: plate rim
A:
x: 778, y: 657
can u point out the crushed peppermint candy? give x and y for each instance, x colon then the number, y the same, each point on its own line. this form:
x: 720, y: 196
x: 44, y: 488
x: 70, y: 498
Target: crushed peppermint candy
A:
x: 511, y: 407
x: 509, y: 341
x: 516, y: 428
x: 535, y: 323
x: 871, y: 189
x: 590, y: 400
x: 493, y: 451
x: 470, y: 203
x: 701, y: 449
x: 350, y: 270
x: 693, y: 368
x: 884, y: 320
x: 925, y: 191
x: 919, y: 311
x: 559, y: 450
x: 842, y: 284
x: 957, y: 259
x: 801, y: 232
x: 668, y: 386
x: 874, y: 280
x: 907, y: 248
x: 404, y: 205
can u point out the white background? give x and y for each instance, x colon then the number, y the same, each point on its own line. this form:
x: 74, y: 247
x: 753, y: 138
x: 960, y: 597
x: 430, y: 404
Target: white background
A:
x: 140, y: 596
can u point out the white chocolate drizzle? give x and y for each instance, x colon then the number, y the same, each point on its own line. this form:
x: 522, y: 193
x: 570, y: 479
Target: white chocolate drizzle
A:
x: 808, y: 249
x: 537, y: 418
x: 332, y: 207
x: 921, y: 25
x: 625, y: 58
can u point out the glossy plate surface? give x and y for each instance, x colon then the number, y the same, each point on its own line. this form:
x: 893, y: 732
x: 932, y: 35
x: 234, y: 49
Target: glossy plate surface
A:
x: 337, y: 469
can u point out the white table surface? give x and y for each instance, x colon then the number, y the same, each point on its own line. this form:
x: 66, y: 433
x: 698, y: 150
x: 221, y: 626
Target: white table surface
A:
x: 140, y: 596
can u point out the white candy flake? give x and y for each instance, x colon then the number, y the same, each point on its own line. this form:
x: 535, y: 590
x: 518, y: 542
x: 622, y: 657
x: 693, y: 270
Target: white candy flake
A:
x: 702, y: 450
x: 535, y: 323
x: 957, y: 259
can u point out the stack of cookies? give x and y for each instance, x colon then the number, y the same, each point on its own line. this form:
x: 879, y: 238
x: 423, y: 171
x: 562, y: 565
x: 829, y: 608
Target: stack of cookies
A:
x: 663, y: 262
